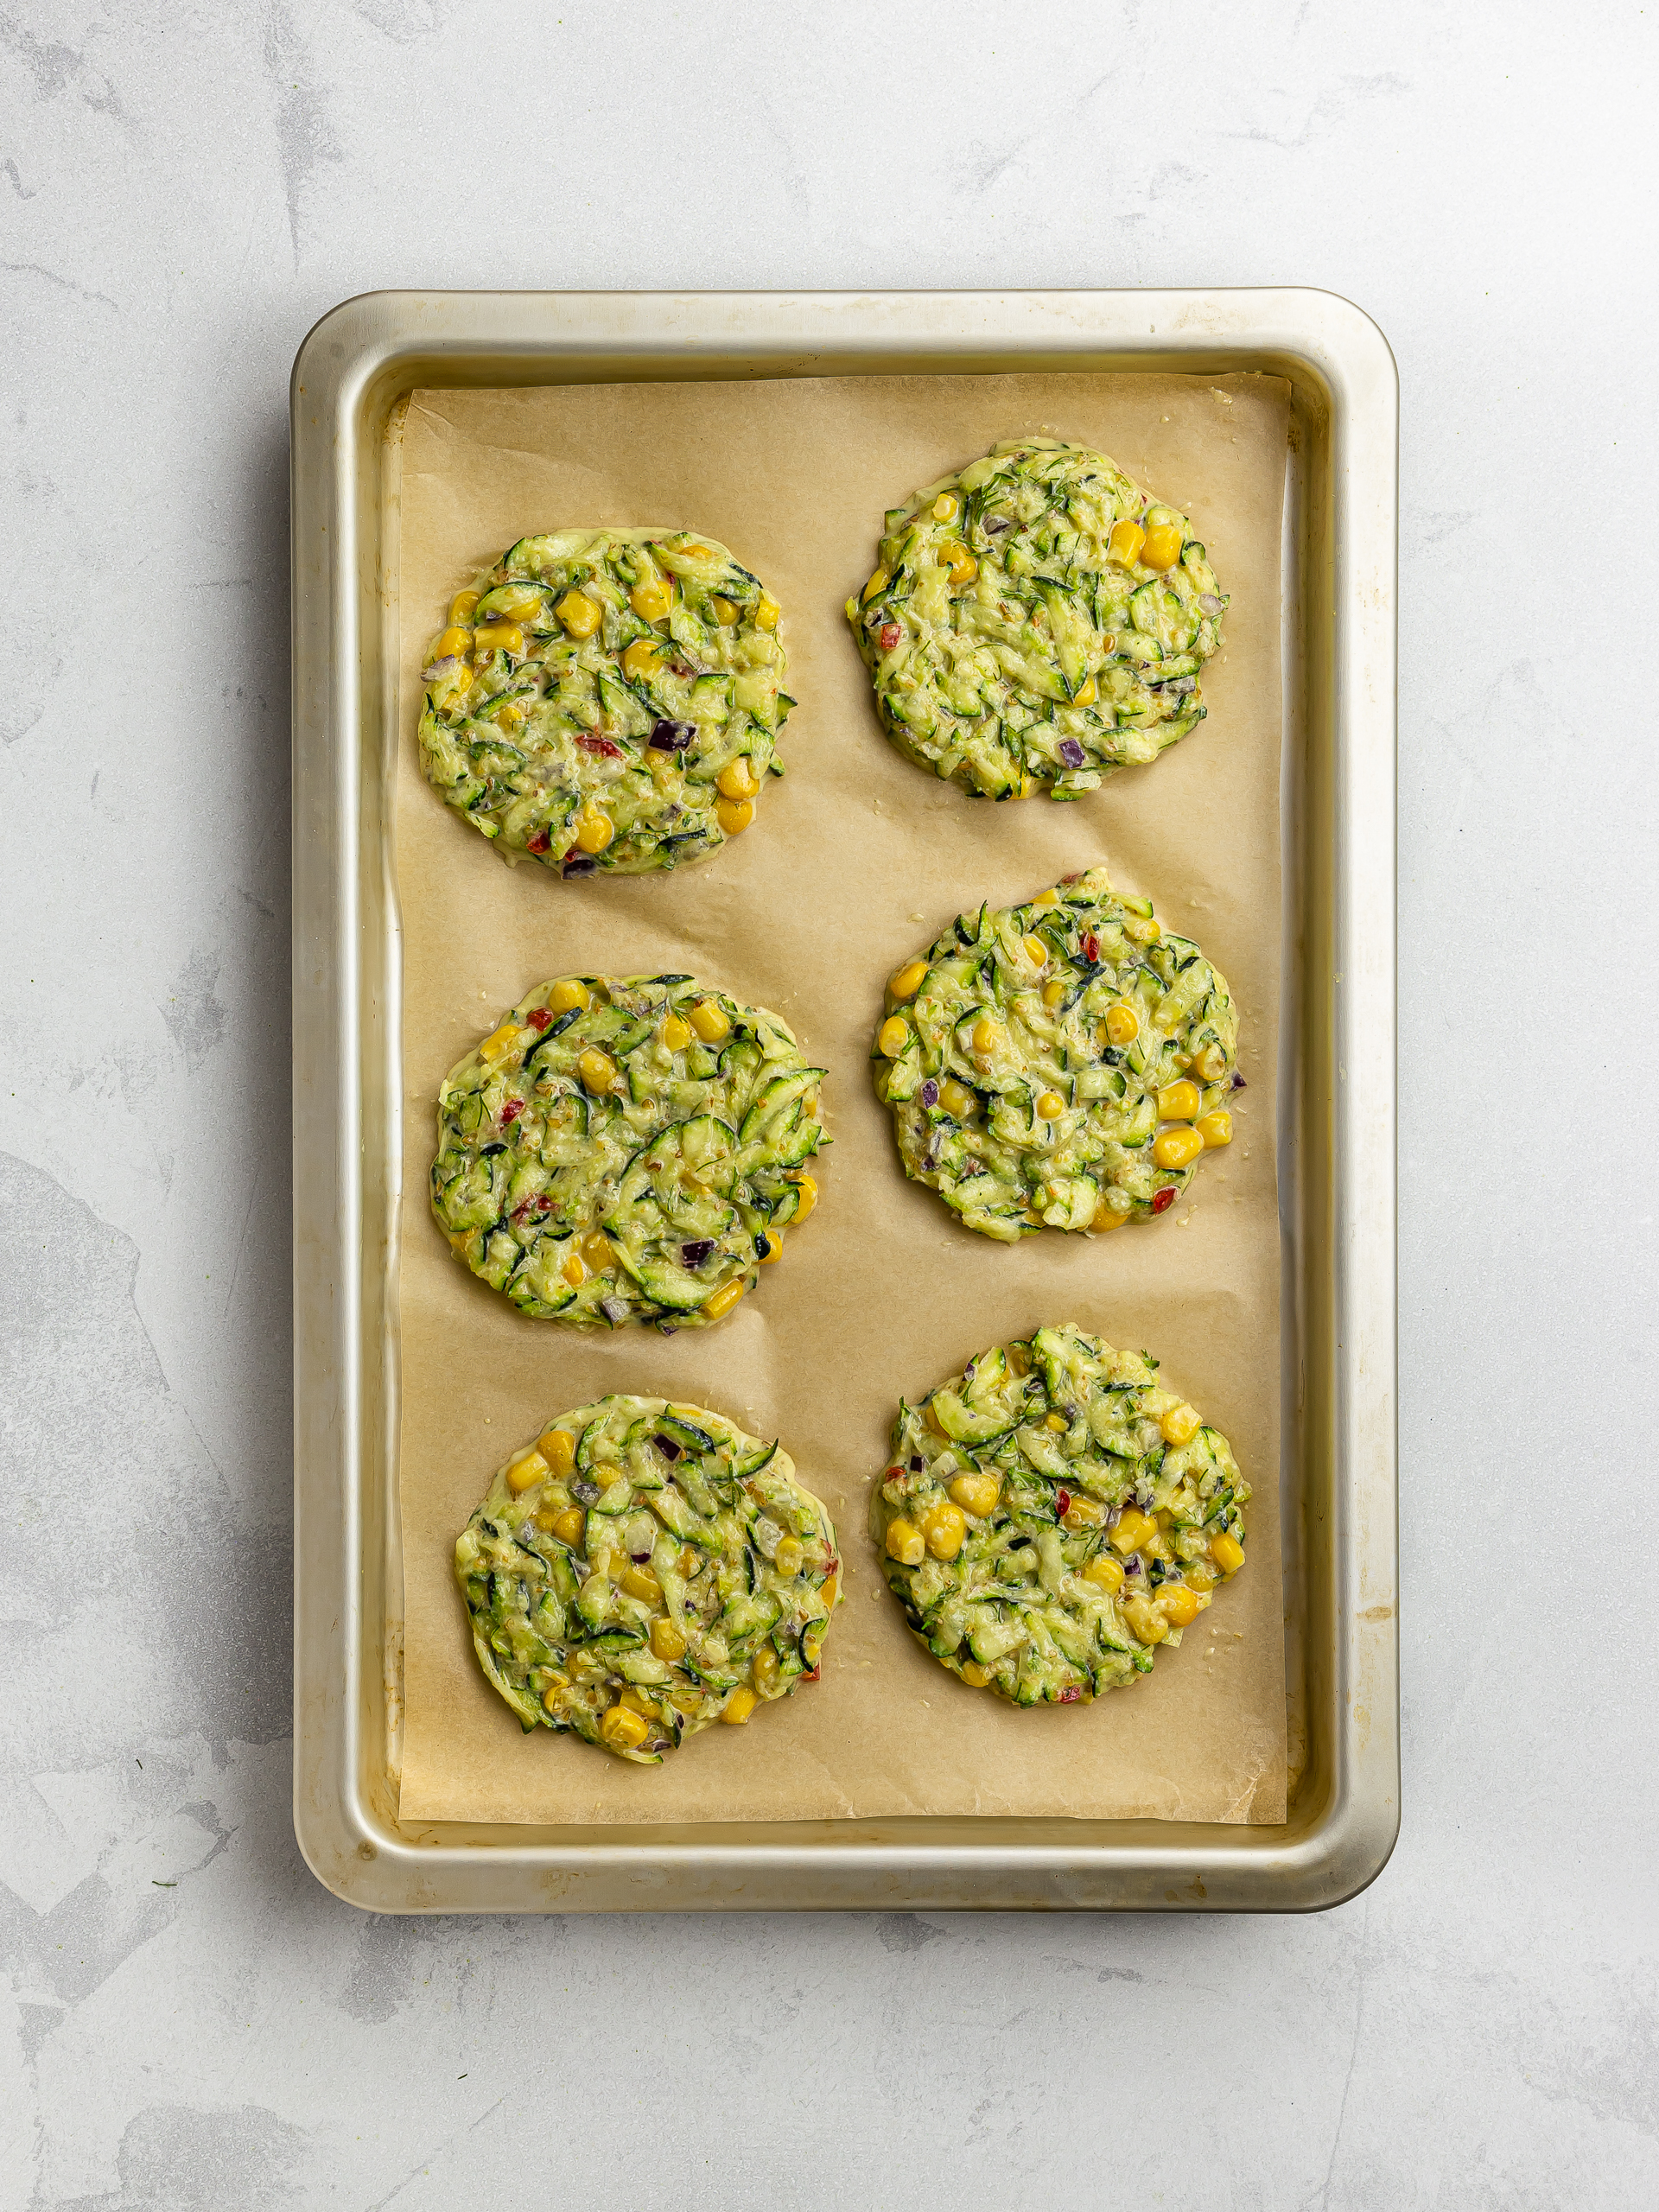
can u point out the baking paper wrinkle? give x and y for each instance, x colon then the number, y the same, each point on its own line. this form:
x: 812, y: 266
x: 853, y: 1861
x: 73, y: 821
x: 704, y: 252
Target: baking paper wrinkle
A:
x: 883, y: 1291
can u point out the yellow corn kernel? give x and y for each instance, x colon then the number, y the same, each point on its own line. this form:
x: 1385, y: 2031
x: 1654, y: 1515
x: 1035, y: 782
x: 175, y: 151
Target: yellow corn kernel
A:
x: 740, y: 1704
x: 1058, y: 1422
x: 595, y: 829
x: 1122, y: 1025
x: 623, y: 1728
x: 734, y: 815
x: 639, y: 1582
x: 725, y: 611
x: 832, y: 1584
x: 809, y: 1189
x: 957, y: 1098
x: 568, y: 1526
x: 596, y: 1250
x: 789, y: 1554
x: 893, y: 1036
x: 1082, y: 1513
x: 666, y: 1641
x: 1145, y: 1620
x: 1176, y: 1147
x: 1050, y: 1106
x: 723, y: 1300
x: 509, y: 716
x: 1227, y: 1552
x: 1085, y: 693
x: 558, y: 1684
x: 905, y: 1543
x: 1178, y: 1604
x: 453, y: 641
x: 709, y: 1021
x: 737, y: 778
x: 946, y: 507
x: 579, y: 614
x: 1105, y: 1572
x: 974, y: 1675
x: 558, y: 1447
x: 766, y: 612
x: 526, y: 1471
x: 1106, y: 1217
x: 878, y: 583
x: 1133, y: 1529
x: 698, y: 552
x: 1125, y: 542
x: 765, y: 1670
x: 909, y: 980
x: 1142, y: 929
x: 565, y: 997
x: 976, y: 1494
x: 774, y: 1251
x: 1036, y: 952
x: 499, y: 636
x: 1209, y: 1064
x: 641, y: 659
x: 1200, y: 1576
x: 1179, y: 1102
x: 651, y: 599
x: 955, y: 555
x: 1163, y: 547
x: 500, y: 1042
x: 575, y: 1271
x: 461, y: 606
x: 1054, y: 991
x: 1180, y: 1425
x: 984, y: 1034
x: 676, y: 1034
x: 598, y: 1072
x: 1215, y: 1129
x: 943, y: 1527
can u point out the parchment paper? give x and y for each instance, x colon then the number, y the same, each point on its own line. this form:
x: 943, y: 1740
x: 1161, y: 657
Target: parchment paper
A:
x: 857, y: 860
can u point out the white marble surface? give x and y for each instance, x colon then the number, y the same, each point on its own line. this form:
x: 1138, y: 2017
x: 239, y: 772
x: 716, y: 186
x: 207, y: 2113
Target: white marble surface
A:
x: 190, y: 2021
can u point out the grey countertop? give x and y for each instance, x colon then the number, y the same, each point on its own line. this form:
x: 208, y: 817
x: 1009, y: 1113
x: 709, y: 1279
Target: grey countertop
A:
x: 190, y: 2020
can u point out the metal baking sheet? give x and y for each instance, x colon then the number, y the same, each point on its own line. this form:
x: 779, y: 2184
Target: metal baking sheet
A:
x: 1336, y: 1165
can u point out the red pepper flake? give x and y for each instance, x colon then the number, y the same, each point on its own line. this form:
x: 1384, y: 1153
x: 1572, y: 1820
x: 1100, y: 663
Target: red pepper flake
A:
x: 1069, y: 1696
x: 511, y: 1111
x: 538, y: 842
x: 894, y: 1470
x: 1076, y: 876
x: 1091, y: 948
x: 1062, y: 1500
x: 888, y: 636
x: 1163, y: 1199
x: 601, y: 745
x: 539, y: 1017
x: 811, y: 1674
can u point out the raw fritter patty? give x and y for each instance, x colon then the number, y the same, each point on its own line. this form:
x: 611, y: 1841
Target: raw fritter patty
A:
x: 1037, y: 622
x: 1061, y: 1064
x: 626, y: 1148
x: 607, y: 699
x: 643, y: 1569
x: 1051, y: 1516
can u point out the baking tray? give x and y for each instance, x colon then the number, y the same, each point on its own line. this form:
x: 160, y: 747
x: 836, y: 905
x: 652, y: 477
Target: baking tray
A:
x: 1336, y: 1141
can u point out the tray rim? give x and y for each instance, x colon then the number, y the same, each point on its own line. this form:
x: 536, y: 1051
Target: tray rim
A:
x: 1331, y: 350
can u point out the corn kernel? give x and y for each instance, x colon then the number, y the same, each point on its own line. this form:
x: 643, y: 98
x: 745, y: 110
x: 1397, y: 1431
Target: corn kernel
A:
x: 623, y: 1728
x: 568, y: 1526
x: 1122, y: 1025
x: 1178, y: 1604
x: 500, y: 1042
x: 1058, y: 1422
x: 499, y: 636
x: 579, y: 614
x: 809, y: 1189
x: 789, y: 1555
x: 526, y: 1471
x: 946, y: 507
x: 832, y: 1584
x: 1142, y: 930
x: 1216, y: 1129
x: 1125, y: 542
x: 461, y: 606
x: 878, y: 583
x: 1163, y: 547
x: 1036, y: 952
x: 596, y: 1250
x: 766, y: 612
x: 640, y: 660
x: 944, y: 1527
x: 1145, y: 1620
x: 453, y: 641
x: 734, y: 815
x: 1104, y: 1572
x: 976, y: 1494
x: 676, y: 1034
x: 765, y: 1670
x: 1054, y: 991
x: 1106, y: 1219
x: 556, y: 1687
x: 651, y: 599
x: 1227, y: 1552
x: 1133, y: 1529
x: 1179, y: 1102
x: 1050, y: 1106
x: 565, y: 997
x: 909, y: 980
x: 1180, y: 1425
x: 1085, y: 693
x: 709, y: 1021
x: 666, y: 1641
x: 984, y: 1034
x: 725, y: 611
x: 737, y: 778
x: 774, y: 1251
x: 558, y: 1447
x: 740, y: 1704
x: 598, y: 1072
x: 1081, y: 1514
x: 595, y: 829
x: 973, y: 1675
x: 723, y: 1300
x: 1176, y: 1147
x: 1209, y: 1064
x: 955, y: 555
x: 957, y: 1098
x: 892, y: 1037
x: 698, y: 552
x: 905, y: 1543
x: 639, y: 1582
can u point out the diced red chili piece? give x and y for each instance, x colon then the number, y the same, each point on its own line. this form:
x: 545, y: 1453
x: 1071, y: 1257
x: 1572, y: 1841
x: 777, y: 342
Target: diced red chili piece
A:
x: 511, y: 1110
x: 1075, y: 877
x: 894, y: 1470
x: 539, y: 1017
x: 1070, y: 1695
x: 601, y: 745
x: 538, y: 842
x: 1062, y: 1500
x: 1090, y: 948
x: 888, y: 636
x: 811, y: 1673
x: 1162, y: 1200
